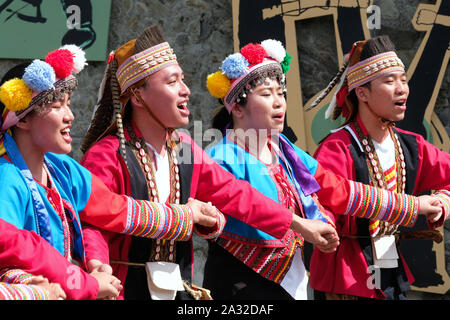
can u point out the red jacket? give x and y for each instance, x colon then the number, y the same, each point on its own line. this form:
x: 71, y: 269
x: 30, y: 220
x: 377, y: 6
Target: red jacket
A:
x: 26, y: 250
x: 209, y: 182
x: 346, y: 270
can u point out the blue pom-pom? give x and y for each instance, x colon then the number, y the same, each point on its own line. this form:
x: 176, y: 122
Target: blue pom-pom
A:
x: 39, y: 76
x: 235, y: 65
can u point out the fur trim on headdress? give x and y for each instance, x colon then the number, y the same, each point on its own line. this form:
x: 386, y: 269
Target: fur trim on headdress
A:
x: 62, y: 62
x: 340, y: 79
x: 240, y: 70
x: 235, y: 66
x: 39, y: 76
x: 254, y: 53
x: 101, y: 89
x: 15, y: 95
x: 103, y: 113
x: 274, y: 49
x: 79, y: 57
x: 343, y: 78
x: 218, y: 84
x: 41, y: 83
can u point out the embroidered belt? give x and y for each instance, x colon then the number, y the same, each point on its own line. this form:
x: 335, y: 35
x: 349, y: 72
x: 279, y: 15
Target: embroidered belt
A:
x: 434, y: 235
x: 126, y: 263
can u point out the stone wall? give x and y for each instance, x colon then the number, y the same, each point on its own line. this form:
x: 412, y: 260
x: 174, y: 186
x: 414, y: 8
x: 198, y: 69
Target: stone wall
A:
x: 200, y: 31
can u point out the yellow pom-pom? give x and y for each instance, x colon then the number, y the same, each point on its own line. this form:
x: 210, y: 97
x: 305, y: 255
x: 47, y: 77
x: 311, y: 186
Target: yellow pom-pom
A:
x: 15, y: 95
x: 218, y: 84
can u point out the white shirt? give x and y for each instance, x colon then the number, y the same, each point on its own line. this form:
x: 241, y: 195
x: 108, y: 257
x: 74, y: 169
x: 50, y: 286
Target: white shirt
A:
x: 385, y: 250
x: 162, y: 174
x: 385, y: 152
x: 295, y: 281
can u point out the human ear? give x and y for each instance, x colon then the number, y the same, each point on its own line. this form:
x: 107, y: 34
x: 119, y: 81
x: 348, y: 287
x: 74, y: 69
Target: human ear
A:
x: 237, y: 110
x: 24, y: 123
x: 135, y: 100
x: 361, y: 94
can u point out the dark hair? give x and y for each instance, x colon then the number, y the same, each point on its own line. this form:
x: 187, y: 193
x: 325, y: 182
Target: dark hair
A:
x: 15, y: 72
x: 222, y: 119
x: 375, y: 46
x: 109, y: 104
x: 150, y: 37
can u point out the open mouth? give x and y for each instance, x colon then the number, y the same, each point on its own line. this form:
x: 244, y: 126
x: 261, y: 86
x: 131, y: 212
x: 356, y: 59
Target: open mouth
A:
x: 401, y: 104
x: 183, y: 108
x: 66, y: 134
x: 278, y: 117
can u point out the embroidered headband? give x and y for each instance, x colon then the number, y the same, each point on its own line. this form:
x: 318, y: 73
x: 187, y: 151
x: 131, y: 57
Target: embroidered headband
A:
x: 372, y: 68
x: 242, y: 71
x: 354, y: 74
x: 144, y: 64
x: 128, y: 67
x: 43, y: 82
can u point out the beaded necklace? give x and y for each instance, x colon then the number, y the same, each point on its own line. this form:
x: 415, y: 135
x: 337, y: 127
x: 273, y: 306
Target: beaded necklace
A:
x: 376, y: 172
x: 56, y: 201
x: 162, y: 250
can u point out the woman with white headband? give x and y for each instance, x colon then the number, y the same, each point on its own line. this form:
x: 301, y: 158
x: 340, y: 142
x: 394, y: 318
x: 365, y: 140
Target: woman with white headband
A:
x: 371, y: 96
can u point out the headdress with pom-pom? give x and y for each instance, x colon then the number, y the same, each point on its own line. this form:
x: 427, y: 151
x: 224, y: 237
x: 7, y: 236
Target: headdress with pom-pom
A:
x: 218, y: 84
x: 79, y: 57
x: 241, y: 72
x: 235, y: 65
x: 42, y: 82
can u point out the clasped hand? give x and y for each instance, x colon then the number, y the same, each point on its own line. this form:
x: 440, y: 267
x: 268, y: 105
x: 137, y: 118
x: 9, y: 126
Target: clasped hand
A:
x: 322, y: 235
x: 205, y: 214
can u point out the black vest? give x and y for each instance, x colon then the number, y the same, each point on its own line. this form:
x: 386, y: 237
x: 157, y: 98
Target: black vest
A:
x: 397, y: 277
x: 136, y: 281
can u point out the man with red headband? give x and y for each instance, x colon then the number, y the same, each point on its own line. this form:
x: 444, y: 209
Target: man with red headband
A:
x: 371, y: 96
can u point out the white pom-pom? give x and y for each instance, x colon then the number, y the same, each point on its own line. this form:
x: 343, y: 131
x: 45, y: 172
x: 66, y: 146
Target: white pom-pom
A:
x: 79, y: 57
x: 274, y: 49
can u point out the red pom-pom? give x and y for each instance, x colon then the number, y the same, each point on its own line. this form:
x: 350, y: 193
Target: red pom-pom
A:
x: 62, y: 62
x: 254, y: 53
